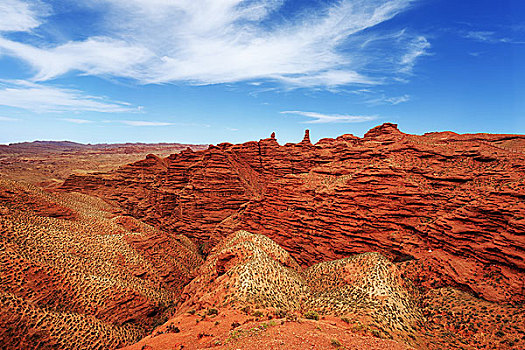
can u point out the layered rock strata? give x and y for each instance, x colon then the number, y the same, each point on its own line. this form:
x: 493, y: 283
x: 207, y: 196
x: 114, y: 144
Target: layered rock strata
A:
x: 454, y: 202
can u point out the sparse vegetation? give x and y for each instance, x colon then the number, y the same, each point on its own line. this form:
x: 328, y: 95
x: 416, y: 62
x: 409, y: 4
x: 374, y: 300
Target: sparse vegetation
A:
x: 257, y: 313
x: 336, y: 343
x: 311, y: 315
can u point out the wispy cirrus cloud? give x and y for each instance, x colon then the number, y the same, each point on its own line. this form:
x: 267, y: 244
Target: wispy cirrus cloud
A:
x: 8, y: 119
x: 144, y: 123
x: 43, y: 98
x: 416, y: 48
x: 77, y: 121
x: 227, y: 41
x: 157, y: 123
x: 319, y: 118
x: 137, y: 123
x: 490, y: 37
x: 94, y: 56
x: 383, y: 99
x: 398, y: 99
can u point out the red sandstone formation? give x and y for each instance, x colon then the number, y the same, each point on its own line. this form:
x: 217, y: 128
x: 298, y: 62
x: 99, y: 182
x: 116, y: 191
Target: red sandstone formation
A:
x: 455, y: 203
x: 233, y: 330
x: 444, y: 209
x: 306, y: 138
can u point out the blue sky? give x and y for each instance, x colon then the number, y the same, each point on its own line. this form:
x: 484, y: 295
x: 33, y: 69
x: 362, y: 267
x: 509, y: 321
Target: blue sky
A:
x: 211, y: 71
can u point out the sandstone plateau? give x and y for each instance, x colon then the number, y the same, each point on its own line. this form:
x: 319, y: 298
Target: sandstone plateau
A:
x: 389, y: 241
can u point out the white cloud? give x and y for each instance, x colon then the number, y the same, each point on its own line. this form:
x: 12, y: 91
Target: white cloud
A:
x: 78, y: 121
x: 480, y: 35
x: 95, y: 56
x: 20, y: 16
x: 225, y: 41
x: 144, y: 123
x: 331, y: 78
x: 43, y: 98
x: 7, y: 119
x: 391, y: 100
x: 490, y: 37
x: 156, y: 123
x: 319, y: 118
x: 398, y: 99
x: 416, y: 48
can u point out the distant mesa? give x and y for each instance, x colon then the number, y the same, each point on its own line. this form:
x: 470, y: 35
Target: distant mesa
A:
x: 46, y: 163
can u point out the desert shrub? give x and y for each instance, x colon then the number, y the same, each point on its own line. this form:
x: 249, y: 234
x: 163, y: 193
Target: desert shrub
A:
x: 335, y: 342
x: 280, y: 313
x: 291, y: 317
x: 376, y: 333
x: 172, y: 329
x: 257, y: 313
x: 311, y: 315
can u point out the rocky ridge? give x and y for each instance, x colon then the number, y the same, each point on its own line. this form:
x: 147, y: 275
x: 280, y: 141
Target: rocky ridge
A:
x: 452, y: 202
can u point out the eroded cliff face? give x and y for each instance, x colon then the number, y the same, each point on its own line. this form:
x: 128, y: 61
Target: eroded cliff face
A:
x: 453, y: 202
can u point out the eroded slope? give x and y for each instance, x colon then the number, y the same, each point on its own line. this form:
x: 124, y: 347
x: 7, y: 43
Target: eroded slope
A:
x: 76, y: 275
x: 250, y: 293
x: 250, y: 275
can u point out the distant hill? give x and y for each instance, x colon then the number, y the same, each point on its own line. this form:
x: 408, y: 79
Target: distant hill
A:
x: 49, y: 162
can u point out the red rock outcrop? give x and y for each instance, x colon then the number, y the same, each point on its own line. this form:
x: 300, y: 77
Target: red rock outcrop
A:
x: 453, y: 202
